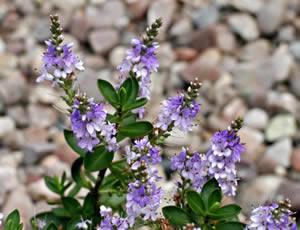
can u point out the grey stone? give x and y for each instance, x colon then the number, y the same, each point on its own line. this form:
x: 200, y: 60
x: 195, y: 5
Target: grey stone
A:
x: 165, y: 55
x: 287, y: 34
x: 8, y: 176
x: 294, y: 48
x: 291, y: 190
x: 2, y: 46
x: 280, y: 152
x: 282, y: 102
x: 39, y: 191
x: 181, y: 27
x: 41, y: 115
x: 255, y: 50
x: 12, y: 160
x: 206, y: 16
x: 281, y: 126
x: 256, y: 118
x: 164, y: 9
x: 248, y: 5
x: 7, y: 125
x: 103, y: 40
x: 294, y: 81
x: 259, y: 191
x: 41, y: 30
x: 244, y: 25
x: 44, y: 94
x: 18, y: 114
x: 117, y: 55
x: 225, y: 39
x: 271, y: 15
x: 35, y: 151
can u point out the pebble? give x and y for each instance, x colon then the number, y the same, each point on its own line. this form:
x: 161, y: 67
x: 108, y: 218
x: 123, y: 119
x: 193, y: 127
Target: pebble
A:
x: 255, y: 50
x: 295, y: 159
x: 39, y: 191
x: 41, y: 115
x: 9, y: 181
x: 271, y: 15
x: 237, y: 107
x: 7, y: 125
x: 103, y: 40
x: 43, y: 94
x: 225, y: 39
x: 248, y: 5
x: 244, y: 25
x: 165, y: 55
x: 19, y: 115
x: 290, y: 189
x: 280, y: 152
x: 12, y: 159
x: 294, y: 81
x: 280, y: 126
x: 207, y: 16
x: 294, y: 48
x: 117, y: 55
x: 181, y: 27
x: 256, y: 118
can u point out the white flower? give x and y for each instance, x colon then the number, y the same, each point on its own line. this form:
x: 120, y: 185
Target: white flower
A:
x: 1, y: 217
x: 83, y: 224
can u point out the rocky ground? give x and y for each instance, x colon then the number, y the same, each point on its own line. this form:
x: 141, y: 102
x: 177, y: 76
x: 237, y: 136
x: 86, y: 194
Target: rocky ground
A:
x: 246, y: 53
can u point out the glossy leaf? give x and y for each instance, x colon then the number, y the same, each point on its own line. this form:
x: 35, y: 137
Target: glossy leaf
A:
x: 61, y: 212
x: 215, y: 197
x: 12, y: 221
x: 226, y: 212
x: 77, y: 175
x: 230, y: 225
x: 132, y: 88
x: 53, y: 184
x: 195, y: 202
x: 138, y: 129
x: 207, y: 190
x: 98, y: 160
x: 88, y: 207
x: 73, y: 222
x: 113, y: 118
x: 122, y: 95
x: 175, y: 215
x: 52, y: 226
x: 138, y: 103
x: 130, y: 119
x: 72, y: 142
x: 71, y: 205
x: 109, y: 93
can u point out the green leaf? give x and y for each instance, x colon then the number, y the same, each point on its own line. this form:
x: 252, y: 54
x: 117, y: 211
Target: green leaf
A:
x: 53, y: 184
x: 207, y: 190
x: 132, y: 88
x: 52, y: 226
x: 195, y: 202
x: 138, y: 103
x: 12, y: 221
x: 71, y: 205
x: 138, y: 129
x: 61, y: 212
x: 72, y: 142
x: 98, y: 160
x: 88, y: 207
x: 77, y: 175
x: 114, y: 201
x: 73, y: 222
x: 176, y: 216
x: 231, y: 225
x: 226, y: 212
x: 122, y: 95
x: 130, y: 119
x: 113, y: 118
x: 215, y: 197
x: 74, y: 191
x: 109, y: 93
x: 118, y: 167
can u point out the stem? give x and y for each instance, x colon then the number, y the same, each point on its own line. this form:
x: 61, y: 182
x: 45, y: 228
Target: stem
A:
x: 94, y: 190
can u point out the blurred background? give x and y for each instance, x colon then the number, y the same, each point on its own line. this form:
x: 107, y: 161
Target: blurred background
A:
x: 245, y: 52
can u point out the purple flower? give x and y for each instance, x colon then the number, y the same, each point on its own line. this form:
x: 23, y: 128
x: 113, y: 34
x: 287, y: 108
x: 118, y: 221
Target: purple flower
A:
x: 59, y: 62
x: 87, y: 126
x: 272, y: 216
x: 110, y: 222
x: 177, y: 112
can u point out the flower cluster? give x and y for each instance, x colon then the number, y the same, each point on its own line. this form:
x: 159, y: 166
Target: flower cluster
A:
x: 142, y: 151
x: 177, y: 112
x: 192, y: 167
x: 141, y: 60
x: 84, y: 224
x: 110, y: 222
x: 219, y: 162
x: 90, y: 127
x: 221, y: 159
x: 59, y: 62
x: 273, y: 216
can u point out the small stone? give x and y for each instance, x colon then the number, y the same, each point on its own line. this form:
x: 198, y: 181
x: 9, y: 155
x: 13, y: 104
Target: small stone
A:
x: 206, y: 16
x: 80, y: 25
x: 271, y: 15
x: 237, y: 107
x: 253, y: 140
x: 39, y: 191
x: 280, y: 152
x: 202, y: 39
x: 9, y: 181
x: 20, y: 200
x: 266, y: 165
x: 8, y: 61
x: 248, y: 5
x: 294, y: 48
x: 282, y: 102
x: 244, y: 25
x: 291, y: 190
x: 259, y: 191
x: 205, y: 67
x: 2, y: 46
x: 117, y: 55
x: 41, y: 30
x: 294, y: 81
x: 54, y: 166
x: 12, y: 160
x: 36, y: 134
x: 41, y: 115
x: 225, y: 39
x: 165, y: 55
x: 94, y: 62
x: 34, y: 152
x: 66, y: 154
x: 256, y: 118
x: 43, y: 94
x: 281, y: 126
x: 256, y: 50
x: 287, y: 34
x: 164, y: 9
x: 7, y: 125
x: 139, y: 7
x: 185, y: 53
x: 181, y: 27
x: 14, y: 140
x: 295, y: 159
x: 103, y: 40
x: 18, y: 114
